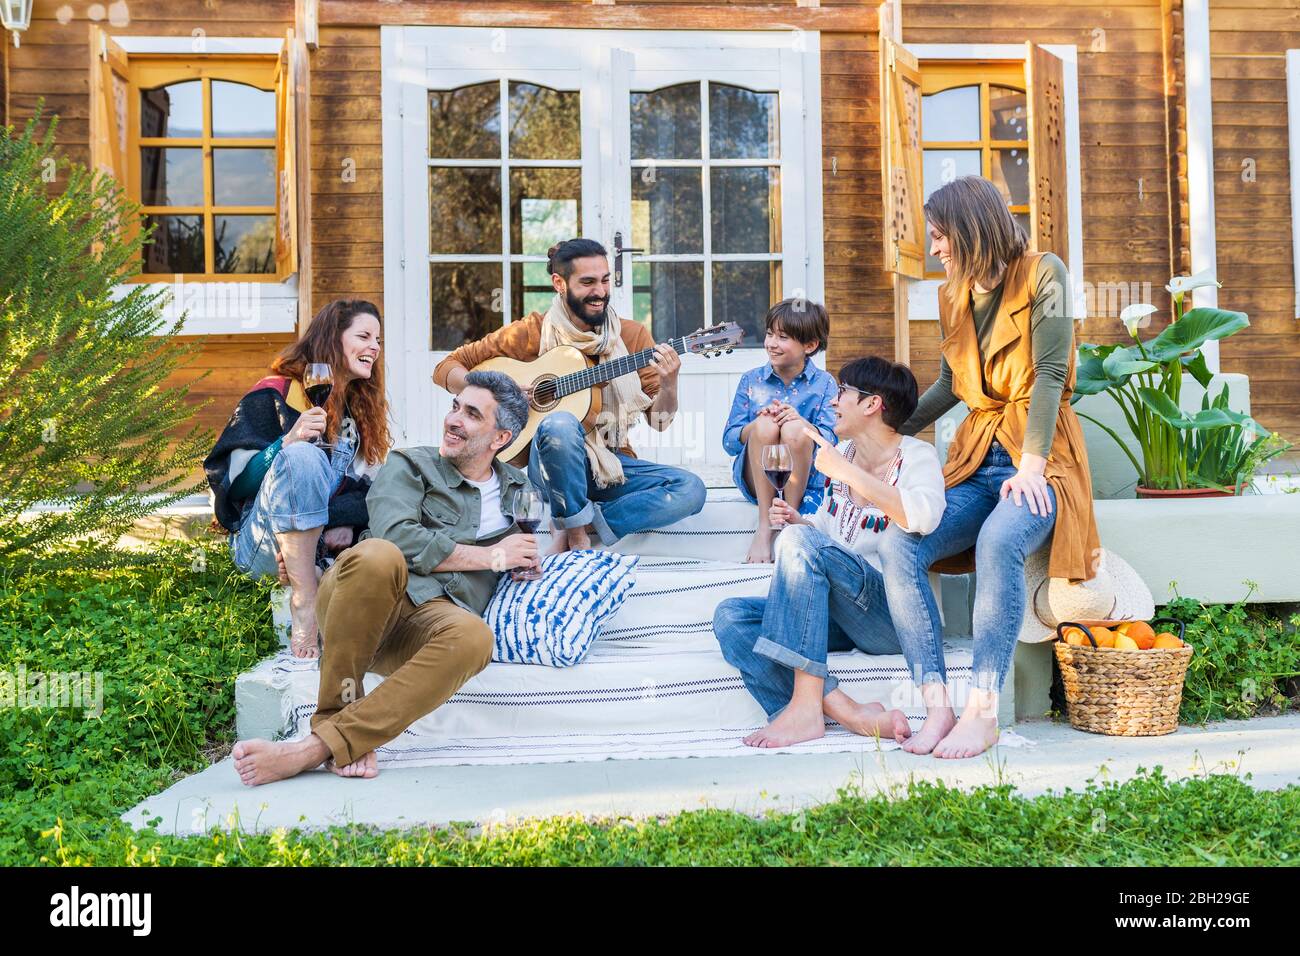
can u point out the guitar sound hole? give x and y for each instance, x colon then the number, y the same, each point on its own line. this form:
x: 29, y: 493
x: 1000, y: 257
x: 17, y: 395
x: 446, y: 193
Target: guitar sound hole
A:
x: 544, y: 397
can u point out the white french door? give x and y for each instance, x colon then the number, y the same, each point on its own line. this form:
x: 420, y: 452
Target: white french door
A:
x: 695, y: 152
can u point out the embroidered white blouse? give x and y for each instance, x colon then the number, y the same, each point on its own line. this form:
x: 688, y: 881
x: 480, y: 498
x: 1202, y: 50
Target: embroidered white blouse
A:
x: 916, y: 473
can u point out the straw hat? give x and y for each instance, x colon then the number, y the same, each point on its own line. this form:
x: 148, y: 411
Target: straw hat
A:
x: 1115, y: 593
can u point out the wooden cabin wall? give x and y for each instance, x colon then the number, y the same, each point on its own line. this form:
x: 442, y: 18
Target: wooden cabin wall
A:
x: 53, y: 62
x: 1248, y: 40
x: 1121, y: 131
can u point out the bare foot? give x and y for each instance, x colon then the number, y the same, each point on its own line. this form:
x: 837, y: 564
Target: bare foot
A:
x: 938, y: 722
x: 868, y: 720
x: 760, y: 546
x: 559, y: 541
x: 366, y: 767
x: 971, y: 737
x: 303, y: 640
x: 264, y: 761
x: 791, y: 726
x: 579, y: 539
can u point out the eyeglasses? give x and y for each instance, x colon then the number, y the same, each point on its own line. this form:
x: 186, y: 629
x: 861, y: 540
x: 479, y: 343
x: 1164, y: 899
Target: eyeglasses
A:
x: 843, y: 388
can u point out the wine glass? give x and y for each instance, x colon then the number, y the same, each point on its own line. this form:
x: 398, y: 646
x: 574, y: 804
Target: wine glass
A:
x: 776, y: 465
x: 528, y: 510
x: 318, y: 382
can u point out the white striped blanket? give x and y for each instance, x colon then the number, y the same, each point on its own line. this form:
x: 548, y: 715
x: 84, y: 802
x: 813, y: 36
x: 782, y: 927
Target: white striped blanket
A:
x: 654, y: 685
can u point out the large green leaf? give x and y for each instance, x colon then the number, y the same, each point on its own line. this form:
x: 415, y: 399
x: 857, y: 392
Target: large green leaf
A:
x: 1193, y: 330
x: 1122, y: 363
x: 1090, y: 373
x: 1199, y: 369
x: 1205, y: 419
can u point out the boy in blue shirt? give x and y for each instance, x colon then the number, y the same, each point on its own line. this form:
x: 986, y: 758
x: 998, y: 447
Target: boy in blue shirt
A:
x: 773, y: 404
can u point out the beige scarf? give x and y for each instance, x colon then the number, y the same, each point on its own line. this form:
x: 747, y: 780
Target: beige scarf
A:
x: 622, y: 400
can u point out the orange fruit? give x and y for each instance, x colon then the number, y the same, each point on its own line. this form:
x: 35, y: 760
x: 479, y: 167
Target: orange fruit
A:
x: 1125, y: 643
x: 1142, y: 633
x: 1167, y: 641
x: 1104, y: 637
x: 1074, y: 635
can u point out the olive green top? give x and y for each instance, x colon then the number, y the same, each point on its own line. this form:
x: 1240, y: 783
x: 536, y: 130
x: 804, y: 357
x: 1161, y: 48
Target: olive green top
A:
x: 422, y: 503
x: 1053, y: 337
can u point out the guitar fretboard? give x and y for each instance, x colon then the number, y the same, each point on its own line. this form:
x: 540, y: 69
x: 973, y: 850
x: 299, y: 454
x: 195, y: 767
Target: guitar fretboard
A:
x: 605, y: 371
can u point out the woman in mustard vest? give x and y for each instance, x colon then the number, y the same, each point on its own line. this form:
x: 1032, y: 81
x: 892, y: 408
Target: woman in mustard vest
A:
x: 1017, y: 470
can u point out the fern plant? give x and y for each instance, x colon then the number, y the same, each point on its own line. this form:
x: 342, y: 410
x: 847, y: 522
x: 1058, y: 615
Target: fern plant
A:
x: 91, y: 435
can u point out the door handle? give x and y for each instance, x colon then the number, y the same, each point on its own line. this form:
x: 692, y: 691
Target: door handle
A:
x: 619, y: 249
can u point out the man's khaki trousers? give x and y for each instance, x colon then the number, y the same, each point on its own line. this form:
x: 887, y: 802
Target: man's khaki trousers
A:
x: 368, y: 623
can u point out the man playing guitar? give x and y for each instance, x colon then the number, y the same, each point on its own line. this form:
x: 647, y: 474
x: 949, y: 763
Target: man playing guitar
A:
x: 590, y: 474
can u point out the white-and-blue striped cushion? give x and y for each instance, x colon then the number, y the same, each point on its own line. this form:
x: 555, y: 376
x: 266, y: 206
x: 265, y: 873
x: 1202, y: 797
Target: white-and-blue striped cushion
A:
x: 555, y: 620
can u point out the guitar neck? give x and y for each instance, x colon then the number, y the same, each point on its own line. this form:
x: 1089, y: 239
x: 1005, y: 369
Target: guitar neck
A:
x: 607, y: 371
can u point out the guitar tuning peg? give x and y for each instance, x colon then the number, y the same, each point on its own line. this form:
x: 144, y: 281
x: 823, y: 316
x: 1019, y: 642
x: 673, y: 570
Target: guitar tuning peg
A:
x: 729, y: 351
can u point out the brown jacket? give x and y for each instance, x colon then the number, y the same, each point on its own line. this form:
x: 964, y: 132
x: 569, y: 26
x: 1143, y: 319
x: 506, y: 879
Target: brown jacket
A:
x: 522, y: 340
x: 999, y: 404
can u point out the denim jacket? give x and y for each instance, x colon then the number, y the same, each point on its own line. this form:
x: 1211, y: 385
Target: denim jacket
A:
x: 424, y: 505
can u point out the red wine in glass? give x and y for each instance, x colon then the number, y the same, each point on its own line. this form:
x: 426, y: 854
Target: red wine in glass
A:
x: 528, y: 511
x: 777, y: 466
x: 318, y: 382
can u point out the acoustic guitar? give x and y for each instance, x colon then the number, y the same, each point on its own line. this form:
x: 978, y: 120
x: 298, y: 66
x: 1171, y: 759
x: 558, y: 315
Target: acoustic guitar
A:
x: 565, y: 380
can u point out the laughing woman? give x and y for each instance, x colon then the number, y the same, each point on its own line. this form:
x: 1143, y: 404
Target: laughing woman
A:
x: 1017, y: 471
x: 286, y: 500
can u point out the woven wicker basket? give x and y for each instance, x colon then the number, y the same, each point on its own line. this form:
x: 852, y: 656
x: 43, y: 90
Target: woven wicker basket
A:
x: 1121, y: 693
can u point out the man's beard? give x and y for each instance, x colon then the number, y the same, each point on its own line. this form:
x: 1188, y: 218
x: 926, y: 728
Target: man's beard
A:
x: 579, y: 310
x: 470, y: 448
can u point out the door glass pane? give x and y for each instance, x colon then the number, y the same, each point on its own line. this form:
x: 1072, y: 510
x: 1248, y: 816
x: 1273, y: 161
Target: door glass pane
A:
x: 244, y: 243
x: 242, y: 110
x: 176, y: 245
x: 742, y: 293
x: 951, y: 115
x: 1023, y: 219
x: 742, y: 123
x: 171, y: 176
x: 1008, y: 113
x: 1011, y: 175
x: 465, y: 123
x: 666, y: 123
x: 668, y: 297
x: 744, y: 201
x: 243, y: 177
x: 544, y: 206
x: 530, y: 288
x: 543, y: 123
x: 174, y: 110
x: 464, y: 210
x: 667, y: 210
x: 461, y: 300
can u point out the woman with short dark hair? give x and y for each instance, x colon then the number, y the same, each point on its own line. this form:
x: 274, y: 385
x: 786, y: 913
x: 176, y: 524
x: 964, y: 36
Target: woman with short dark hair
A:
x: 827, y: 591
x: 1017, y: 472
x: 286, y: 500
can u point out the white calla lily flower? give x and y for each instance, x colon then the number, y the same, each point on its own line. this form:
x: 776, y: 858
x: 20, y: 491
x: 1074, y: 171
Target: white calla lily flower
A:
x: 1183, y: 284
x: 1133, y: 315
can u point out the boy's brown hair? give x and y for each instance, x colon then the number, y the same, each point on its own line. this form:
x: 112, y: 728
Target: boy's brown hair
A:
x: 802, y: 320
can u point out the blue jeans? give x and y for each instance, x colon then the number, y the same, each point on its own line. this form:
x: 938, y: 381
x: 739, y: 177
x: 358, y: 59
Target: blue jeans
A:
x: 652, y: 496
x: 1004, y: 534
x: 294, y: 496
x: 822, y: 599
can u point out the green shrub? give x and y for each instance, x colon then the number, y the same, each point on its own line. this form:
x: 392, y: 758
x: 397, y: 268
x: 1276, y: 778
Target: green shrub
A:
x: 85, y: 419
x: 1244, y: 656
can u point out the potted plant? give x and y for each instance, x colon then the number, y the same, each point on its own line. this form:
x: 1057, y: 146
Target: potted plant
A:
x: 1213, y: 451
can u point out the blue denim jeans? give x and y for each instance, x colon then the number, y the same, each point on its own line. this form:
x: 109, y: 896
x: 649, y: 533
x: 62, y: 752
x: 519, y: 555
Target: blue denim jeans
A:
x: 653, y: 496
x: 294, y: 496
x: 822, y: 599
x: 1003, y: 534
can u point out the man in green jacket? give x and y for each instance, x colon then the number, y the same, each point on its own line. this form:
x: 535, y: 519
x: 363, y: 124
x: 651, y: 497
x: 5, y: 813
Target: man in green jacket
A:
x: 408, y: 601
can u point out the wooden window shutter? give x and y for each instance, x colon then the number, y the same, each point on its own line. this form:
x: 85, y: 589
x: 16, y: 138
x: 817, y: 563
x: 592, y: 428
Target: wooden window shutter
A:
x: 1048, y: 194
x: 900, y: 110
x: 109, y: 88
x: 286, y: 204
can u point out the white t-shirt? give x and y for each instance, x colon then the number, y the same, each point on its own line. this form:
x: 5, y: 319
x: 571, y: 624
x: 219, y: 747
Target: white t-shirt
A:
x: 491, y: 520
x: 916, y: 473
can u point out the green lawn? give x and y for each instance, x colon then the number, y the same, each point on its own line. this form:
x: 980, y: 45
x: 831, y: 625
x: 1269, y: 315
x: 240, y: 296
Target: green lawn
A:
x: 170, y: 633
